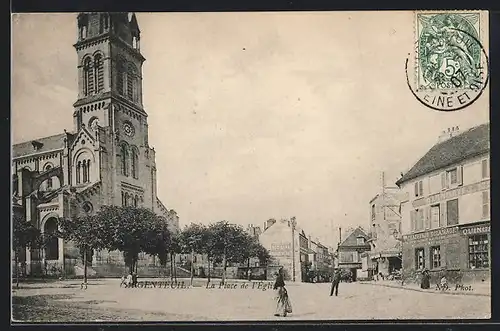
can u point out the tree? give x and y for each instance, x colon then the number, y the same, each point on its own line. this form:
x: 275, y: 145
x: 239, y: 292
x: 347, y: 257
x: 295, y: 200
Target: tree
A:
x: 208, y: 243
x: 88, y: 233
x: 174, y: 248
x: 191, y: 241
x: 230, y: 241
x: 252, y: 248
x: 132, y: 231
x: 25, y: 235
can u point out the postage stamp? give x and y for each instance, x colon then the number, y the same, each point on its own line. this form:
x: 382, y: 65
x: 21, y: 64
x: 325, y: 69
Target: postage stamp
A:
x: 450, y: 63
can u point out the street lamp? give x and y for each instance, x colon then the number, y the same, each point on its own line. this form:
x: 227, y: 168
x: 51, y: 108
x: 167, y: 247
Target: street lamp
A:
x: 293, y: 223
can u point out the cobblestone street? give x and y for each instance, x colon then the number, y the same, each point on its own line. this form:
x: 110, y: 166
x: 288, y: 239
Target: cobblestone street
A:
x: 310, y: 302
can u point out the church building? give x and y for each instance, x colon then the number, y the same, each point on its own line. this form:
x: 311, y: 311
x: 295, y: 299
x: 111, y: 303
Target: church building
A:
x: 106, y: 159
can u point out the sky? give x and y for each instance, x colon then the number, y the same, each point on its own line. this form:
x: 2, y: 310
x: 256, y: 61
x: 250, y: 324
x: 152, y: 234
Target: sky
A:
x: 255, y: 115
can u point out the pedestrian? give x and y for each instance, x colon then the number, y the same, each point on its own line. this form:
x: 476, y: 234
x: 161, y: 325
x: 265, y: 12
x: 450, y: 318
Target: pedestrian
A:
x: 335, y: 281
x: 134, y: 279
x: 129, y: 280
x: 444, y: 283
x: 123, y: 281
x: 426, y: 279
x: 249, y: 274
x: 283, y: 304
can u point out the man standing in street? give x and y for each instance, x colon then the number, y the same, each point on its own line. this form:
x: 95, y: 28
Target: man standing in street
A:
x: 335, y: 282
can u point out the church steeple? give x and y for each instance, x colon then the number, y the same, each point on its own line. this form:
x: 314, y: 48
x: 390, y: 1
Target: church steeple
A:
x: 110, y: 61
x: 122, y: 25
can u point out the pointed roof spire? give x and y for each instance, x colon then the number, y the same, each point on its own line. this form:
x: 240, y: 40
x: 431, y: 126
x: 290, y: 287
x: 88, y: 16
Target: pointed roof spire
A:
x: 134, y: 26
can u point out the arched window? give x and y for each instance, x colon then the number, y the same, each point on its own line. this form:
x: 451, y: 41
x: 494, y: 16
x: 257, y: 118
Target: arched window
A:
x: 52, y: 247
x: 101, y: 24
x: 49, y: 181
x: 124, y: 159
x: 136, y: 43
x: 99, y: 72
x: 106, y: 21
x: 88, y: 77
x: 126, y: 199
x: 78, y: 166
x: 85, y: 171
x: 83, y: 32
x: 131, y: 82
x: 120, y: 76
x: 136, y: 201
x: 135, y: 162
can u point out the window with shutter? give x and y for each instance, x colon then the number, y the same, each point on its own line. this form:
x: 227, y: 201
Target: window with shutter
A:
x: 452, y: 177
x: 452, y: 212
x: 460, y: 175
x: 486, y: 203
x: 420, y: 219
x: 412, y: 220
x: 443, y: 181
x: 442, y: 208
x: 421, y: 188
x: 416, y: 189
x: 435, y: 217
x: 485, y: 169
x: 427, y: 218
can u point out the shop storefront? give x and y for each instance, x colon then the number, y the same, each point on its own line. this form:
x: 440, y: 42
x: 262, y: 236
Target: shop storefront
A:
x: 462, y: 252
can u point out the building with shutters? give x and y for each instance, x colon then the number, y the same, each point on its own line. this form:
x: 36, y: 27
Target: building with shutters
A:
x: 446, y: 208
x: 351, y: 250
x: 106, y: 158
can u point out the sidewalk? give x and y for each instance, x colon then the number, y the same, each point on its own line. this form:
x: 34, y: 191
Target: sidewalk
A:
x: 476, y: 289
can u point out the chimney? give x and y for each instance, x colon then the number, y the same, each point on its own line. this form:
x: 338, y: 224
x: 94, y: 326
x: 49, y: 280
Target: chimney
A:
x: 448, y: 133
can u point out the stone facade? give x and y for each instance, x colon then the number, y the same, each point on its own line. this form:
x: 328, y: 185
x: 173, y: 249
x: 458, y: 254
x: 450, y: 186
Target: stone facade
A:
x: 446, y: 212
x: 106, y: 159
x: 283, y: 243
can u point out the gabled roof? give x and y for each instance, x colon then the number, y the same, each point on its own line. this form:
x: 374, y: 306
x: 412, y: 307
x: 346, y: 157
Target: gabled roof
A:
x: 46, y: 143
x: 351, y: 239
x: 473, y: 142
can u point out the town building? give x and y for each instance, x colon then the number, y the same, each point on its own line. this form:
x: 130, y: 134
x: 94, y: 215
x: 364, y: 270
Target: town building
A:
x: 106, y: 159
x: 287, y: 245
x: 385, y: 226
x: 446, y: 209
x: 321, y: 262
x: 350, y: 251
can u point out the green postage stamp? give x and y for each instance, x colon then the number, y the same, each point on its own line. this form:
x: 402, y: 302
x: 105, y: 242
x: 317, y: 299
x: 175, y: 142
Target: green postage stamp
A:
x: 450, y: 62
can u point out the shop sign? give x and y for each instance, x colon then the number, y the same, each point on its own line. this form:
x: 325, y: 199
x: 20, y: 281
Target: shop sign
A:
x: 476, y: 230
x: 450, y: 194
x: 432, y: 234
x: 281, y: 250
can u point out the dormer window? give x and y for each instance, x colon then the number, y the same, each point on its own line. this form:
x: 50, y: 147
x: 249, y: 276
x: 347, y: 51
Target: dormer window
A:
x: 360, y: 241
x: 37, y: 145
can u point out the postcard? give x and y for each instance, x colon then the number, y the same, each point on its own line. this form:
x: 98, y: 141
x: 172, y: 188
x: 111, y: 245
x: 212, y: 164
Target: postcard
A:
x: 250, y: 166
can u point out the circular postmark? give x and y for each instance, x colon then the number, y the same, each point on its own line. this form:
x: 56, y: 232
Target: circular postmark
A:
x: 450, y: 68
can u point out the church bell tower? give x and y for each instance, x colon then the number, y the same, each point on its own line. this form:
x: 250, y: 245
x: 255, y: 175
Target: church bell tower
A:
x: 110, y: 107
